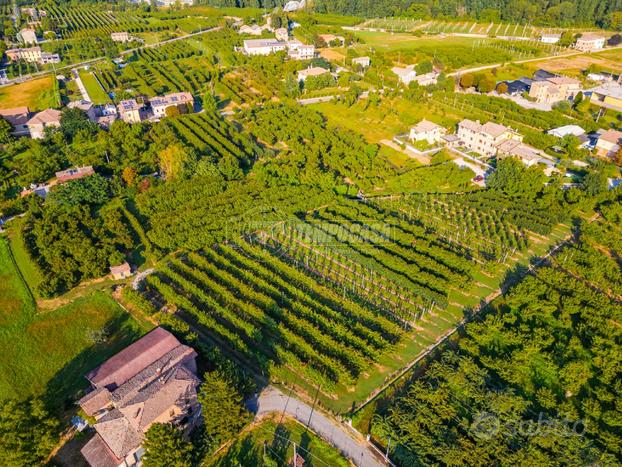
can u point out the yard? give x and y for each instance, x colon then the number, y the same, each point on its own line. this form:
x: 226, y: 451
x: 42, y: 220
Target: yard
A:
x: 36, y: 94
x: 93, y: 88
x: 47, y: 353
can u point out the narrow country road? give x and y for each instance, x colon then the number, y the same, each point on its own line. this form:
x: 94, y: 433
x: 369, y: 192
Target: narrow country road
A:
x: 360, y: 451
x: 78, y: 80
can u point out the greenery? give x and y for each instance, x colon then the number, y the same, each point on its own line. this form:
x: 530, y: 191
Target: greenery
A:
x: 164, y: 446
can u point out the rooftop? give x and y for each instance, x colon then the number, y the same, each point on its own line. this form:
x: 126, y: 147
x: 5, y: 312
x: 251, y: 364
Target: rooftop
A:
x: 314, y: 71
x: 133, y: 359
x: 425, y: 126
x: 612, y: 136
x: 45, y: 117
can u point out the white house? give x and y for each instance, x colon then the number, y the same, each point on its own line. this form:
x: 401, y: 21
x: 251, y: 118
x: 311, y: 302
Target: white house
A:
x: 263, y: 46
x: 122, y: 36
x: 485, y: 138
x: 574, y: 130
x: 427, y: 131
x: 299, y: 51
x: 405, y: 75
x: 28, y: 36
x: 363, y: 62
x: 589, y: 42
x: 161, y: 103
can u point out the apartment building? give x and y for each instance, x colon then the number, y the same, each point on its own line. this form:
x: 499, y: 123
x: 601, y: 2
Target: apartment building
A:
x: 554, y: 89
x: 589, y: 42
x: 263, y: 46
x: 130, y: 111
x: 177, y: 99
x: 485, y: 138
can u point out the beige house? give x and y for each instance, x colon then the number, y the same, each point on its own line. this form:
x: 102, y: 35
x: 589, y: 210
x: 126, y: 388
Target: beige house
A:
x: 609, y: 143
x: 608, y: 96
x: 555, y: 89
x: 427, y: 131
x: 48, y: 118
x: 123, y: 36
x: 85, y: 106
x: 311, y: 71
x: 151, y: 381
x: 514, y: 148
x: 29, y: 36
x: 32, y: 55
x: 589, y: 42
x: 176, y: 99
x: 263, y: 46
x: 121, y: 271
x: 130, y: 111
x: 296, y: 50
x: 485, y: 138
x: 281, y: 34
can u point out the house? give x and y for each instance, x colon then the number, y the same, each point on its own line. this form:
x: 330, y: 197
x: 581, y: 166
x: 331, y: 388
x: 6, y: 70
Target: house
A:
x: 550, y: 38
x: 330, y: 39
x: 263, y: 46
x: 609, y: 143
x: 311, y: 71
x: 74, y: 173
x: 253, y: 30
x: 281, y: 34
x: 86, y: 106
x: 427, y: 79
x: 589, y: 42
x: 48, y: 118
x: 574, y: 130
x: 182, y: 100
x: 296, y: 50
x: 130, y: 111
x: 485, y: 138
x: 427, y: 131
x: 123, y: 36
x: 363, y: 62
x: 32, y: 55
x: 555, y: 89
x: 515, y: 148
x: 29, y: 36
x: 18, y: 118
x: 451, y: 141
x: 608, y: 96
x: 151, y: 381
x: 405, y: 75
x: 121, y: 271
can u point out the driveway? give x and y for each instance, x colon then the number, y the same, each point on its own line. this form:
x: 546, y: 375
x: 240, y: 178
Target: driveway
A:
x: 349, y: 442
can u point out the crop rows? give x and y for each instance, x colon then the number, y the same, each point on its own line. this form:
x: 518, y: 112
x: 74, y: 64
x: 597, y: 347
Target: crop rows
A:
x: 486, y: 233
x: 264, y: 310
x: 171, y: 51
x: 211, y: 134
x: 235, y: 89
x: 156, y: 78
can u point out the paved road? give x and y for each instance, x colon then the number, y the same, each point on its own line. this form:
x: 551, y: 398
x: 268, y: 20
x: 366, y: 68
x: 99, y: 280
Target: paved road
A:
x: 78, y: 80
x: 272, y: 400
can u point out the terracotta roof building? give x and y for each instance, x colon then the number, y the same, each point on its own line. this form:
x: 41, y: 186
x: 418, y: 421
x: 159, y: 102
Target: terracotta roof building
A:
x: 18, y: 118
x: 74, y: 173
x: 151, y: 381
x: 122, y: 271
x: 48, y: 118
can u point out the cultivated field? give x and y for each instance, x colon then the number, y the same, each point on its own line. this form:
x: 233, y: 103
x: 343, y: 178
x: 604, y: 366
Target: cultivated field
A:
x: 351, y: 293
x: 36, y: 94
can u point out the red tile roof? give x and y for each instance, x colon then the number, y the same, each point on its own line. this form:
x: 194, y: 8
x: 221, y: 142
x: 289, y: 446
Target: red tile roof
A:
x: 133, y: 359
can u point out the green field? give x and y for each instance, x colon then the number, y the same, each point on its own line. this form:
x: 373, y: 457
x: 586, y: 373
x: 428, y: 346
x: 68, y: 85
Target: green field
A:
x: 36, y: 94
x: 398, y: 41
x: 279, y: 439
x: 47, y: 353
x: 95, y: 91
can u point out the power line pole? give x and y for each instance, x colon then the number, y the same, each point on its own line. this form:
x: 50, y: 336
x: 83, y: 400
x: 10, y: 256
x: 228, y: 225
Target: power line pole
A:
x: 317, y: 392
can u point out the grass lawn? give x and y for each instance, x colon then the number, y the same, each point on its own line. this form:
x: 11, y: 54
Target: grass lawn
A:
x: 279, y: 441
x: 49, y: 352
x: 400, y: 41
x: 95, y: 91
x: 36, y: 94
x: 30, y: 271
